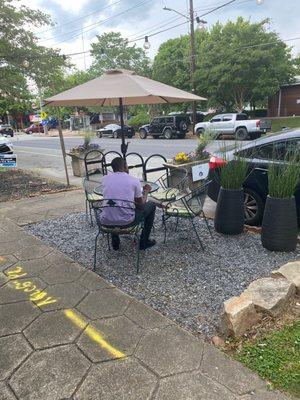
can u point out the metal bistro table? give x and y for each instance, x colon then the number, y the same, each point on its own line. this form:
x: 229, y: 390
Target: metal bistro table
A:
x: 154, y: 187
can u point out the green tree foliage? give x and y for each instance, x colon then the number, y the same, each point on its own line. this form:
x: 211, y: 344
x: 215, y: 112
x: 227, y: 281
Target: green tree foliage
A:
x: 113, y: 51
x: 230, y: 74
x: 21, y: 59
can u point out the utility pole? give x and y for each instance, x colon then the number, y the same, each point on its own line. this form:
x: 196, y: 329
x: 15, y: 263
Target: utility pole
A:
x: 84, y: 60
x: 193, y: 60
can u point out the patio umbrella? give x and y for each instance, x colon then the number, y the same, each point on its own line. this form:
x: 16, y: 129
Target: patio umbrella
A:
x: 121, y: 88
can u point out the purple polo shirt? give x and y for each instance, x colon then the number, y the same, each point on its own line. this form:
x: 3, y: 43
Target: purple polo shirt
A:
x: 120, y: 186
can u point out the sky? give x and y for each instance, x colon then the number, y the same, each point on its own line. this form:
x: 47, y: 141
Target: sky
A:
x: 77, y: 22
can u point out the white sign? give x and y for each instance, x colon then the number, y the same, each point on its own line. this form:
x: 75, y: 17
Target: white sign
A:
x: 200, y: 172
x: 298, y: 101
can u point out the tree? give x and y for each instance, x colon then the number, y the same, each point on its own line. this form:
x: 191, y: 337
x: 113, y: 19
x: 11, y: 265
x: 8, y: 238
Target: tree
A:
x: 229, y: 72
x: 21, y: 58
x: 112, y: 51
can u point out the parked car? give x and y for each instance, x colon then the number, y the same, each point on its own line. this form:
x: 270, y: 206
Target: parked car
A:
x: 6, y: 146
x: 114, y: 130
x: 6, y: 130
x: 34, y: 128
x: 236, y: 125
x: 168, y: 126
x: 259, y: 155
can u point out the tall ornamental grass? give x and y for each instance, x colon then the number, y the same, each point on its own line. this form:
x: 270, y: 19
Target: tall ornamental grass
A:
x: 234, y: 172
x: 284, y: 177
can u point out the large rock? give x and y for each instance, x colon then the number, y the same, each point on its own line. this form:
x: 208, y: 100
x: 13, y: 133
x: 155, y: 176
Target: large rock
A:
x: 239, y: 315
x: 290, y: 271
x: 270, y: 296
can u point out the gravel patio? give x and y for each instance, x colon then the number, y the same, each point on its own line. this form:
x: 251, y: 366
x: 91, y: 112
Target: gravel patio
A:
x: 177, y: 279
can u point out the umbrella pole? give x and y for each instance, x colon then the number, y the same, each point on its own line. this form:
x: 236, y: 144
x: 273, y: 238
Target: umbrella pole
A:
x: 123, y: 145
x: 63, y: 150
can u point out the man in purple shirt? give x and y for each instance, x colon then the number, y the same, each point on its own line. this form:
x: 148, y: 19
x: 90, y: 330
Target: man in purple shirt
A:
x: 131, y: 203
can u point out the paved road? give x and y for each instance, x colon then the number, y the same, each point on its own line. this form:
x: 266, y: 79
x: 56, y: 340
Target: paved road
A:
x: 44, y: 154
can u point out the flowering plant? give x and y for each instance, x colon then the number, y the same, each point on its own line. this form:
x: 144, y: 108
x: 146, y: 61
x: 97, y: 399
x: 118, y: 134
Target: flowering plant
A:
x: 183, y: 157
x: 85, y: 146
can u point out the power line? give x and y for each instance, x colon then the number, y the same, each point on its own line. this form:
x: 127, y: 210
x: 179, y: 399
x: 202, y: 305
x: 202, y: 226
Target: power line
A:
x: 79, y: 18
x: 100, y: 22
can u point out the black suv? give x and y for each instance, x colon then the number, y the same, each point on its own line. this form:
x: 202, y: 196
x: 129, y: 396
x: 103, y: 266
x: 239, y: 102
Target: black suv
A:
x: 167, y: 126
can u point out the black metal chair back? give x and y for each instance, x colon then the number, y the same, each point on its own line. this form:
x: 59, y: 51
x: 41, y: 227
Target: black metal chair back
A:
x: 194, y: 201
x: 174, y: 178
x: 93, y: 163
x: 132, y: 164
x: 108, y: 157
x: 149, y: 170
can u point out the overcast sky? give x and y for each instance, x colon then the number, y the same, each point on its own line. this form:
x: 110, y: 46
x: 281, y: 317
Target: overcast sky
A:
x: 137, y: 18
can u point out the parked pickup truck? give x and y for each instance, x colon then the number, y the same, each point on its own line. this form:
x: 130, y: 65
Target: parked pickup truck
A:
x: 236, y: 125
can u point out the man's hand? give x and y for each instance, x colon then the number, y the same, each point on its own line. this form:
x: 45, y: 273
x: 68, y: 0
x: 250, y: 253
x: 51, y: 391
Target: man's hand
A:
x: 147, y: 188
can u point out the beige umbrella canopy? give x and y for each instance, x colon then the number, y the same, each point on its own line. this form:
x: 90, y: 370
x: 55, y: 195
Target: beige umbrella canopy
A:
x: 108, y: 89
x: 120, y: 87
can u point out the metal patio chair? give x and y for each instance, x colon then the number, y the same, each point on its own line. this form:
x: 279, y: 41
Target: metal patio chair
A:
x: 172, y: 183
x: 90, y: 197
x: 188, y: 207
x: 133, y: 229
x: 93, y: 164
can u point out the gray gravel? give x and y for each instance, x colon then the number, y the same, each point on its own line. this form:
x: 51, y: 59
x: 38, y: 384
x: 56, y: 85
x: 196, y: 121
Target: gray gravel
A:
x: 177, y: 279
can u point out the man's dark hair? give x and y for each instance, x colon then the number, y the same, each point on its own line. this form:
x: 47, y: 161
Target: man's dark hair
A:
x: 118, y: 164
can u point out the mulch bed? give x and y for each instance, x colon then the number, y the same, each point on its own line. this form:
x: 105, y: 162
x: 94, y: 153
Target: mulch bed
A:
x: 16, y: 184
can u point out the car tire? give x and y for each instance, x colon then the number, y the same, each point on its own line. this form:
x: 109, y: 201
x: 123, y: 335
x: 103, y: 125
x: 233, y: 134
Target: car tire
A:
x: 183, y: 127
x: 99, y: 135
x: 254, y: 207
x: 199, y: 132
x: 168, y: 134
x: 143, y: 134
x: 241, y: 134
x: 30, y: 133
x: 115, y: 135
x: 181, y: 136
x: 130, y: 136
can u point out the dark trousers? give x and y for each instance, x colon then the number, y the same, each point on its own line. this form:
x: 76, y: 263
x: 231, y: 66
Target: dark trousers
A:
x: 148, y: 214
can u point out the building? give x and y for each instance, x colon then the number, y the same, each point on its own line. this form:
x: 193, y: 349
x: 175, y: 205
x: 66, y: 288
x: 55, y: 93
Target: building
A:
x: 286, y: 102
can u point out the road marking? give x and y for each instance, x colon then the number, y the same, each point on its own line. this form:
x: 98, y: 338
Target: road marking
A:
x: 38, y: 296
x: 93, y: 334
x: 40, y: 154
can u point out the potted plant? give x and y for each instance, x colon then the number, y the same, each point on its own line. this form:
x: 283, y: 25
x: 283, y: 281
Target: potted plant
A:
x: 190, y: 160
x: 78, y: 153
x: 279, y: 227
x: 229, y: 215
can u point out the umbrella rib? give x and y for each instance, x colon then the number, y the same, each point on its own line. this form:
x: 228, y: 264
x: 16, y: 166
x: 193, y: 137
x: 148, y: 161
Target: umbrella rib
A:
x: 164, y: 99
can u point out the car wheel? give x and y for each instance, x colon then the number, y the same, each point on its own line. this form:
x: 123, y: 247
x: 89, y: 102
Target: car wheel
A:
x: 241, y: 134
x: 143, y: 134
x: 115, y: 135
x: 99, y: 135
x: 168, y: 134
x: 254, y: 207
x: 130, y: 136
x: 30, y: 132
x: 183, y: 126
x: 199, y: 132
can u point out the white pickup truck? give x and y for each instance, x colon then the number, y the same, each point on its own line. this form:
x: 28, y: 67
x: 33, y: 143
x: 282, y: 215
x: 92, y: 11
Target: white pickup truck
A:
x: 237, y: 125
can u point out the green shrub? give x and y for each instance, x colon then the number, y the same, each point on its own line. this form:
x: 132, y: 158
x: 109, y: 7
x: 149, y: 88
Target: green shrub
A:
x: 138, y: 120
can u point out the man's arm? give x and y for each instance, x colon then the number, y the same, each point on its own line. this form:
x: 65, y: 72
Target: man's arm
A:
x: 140, y: 201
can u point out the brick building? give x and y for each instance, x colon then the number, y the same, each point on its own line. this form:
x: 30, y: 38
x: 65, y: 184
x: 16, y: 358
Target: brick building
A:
x: 286, y: 102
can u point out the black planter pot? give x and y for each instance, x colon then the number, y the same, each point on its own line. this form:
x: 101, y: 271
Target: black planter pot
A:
x: 229, y: 216
x: 279, y: 229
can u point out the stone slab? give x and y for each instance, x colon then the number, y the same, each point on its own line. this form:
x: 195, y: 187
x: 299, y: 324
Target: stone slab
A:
x: 290, y: 271
x: 239, y: 316
x: 32, y: 267
x: 6, y: 393
x: 269, y: 295
x: 104, y: 303
x: 15, y: 317
x: 117, y: 380
x: 92, y: 281
x: 192, y: 386
x: 10, y: 292
x: 145, y: 316
x: 119, y: 332
x: 170, y: 350
x: 13, y: 349
x: 7, y: 261
x: 33, y: 252
x: 229, y: 373
x: 52, y: 329
x: 265, y: 395
x: 62, y: 271
x: 51, y: 374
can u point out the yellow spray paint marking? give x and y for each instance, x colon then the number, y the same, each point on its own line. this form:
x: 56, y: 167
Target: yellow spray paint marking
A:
x: 41, y: 298
x: 38, y: 296
x: 93, y: 334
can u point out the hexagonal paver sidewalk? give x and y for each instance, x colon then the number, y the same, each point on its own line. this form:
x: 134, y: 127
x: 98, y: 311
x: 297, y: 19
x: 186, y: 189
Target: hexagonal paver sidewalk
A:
x: 66, y: 333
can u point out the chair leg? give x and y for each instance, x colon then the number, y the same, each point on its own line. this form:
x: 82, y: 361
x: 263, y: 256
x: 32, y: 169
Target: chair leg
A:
x: 108, y: 242
x: 86, y: 208
x: 91, y: 215
x: 95, y: 251
x: 197, y: 234
x: 165, y: 228
x: 207, y: 224
x: 137, y: 240
x: 176, y: 226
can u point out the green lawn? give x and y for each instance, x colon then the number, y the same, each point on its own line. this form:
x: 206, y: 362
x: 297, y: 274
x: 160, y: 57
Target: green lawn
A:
x: 291, y: 122
x: 276, y: 358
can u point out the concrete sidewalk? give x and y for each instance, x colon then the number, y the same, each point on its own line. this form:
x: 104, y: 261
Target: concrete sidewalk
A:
x: 65, y: 333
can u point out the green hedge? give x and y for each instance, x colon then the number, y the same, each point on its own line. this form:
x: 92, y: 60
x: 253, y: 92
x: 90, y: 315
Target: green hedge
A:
x: 138, y: 120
